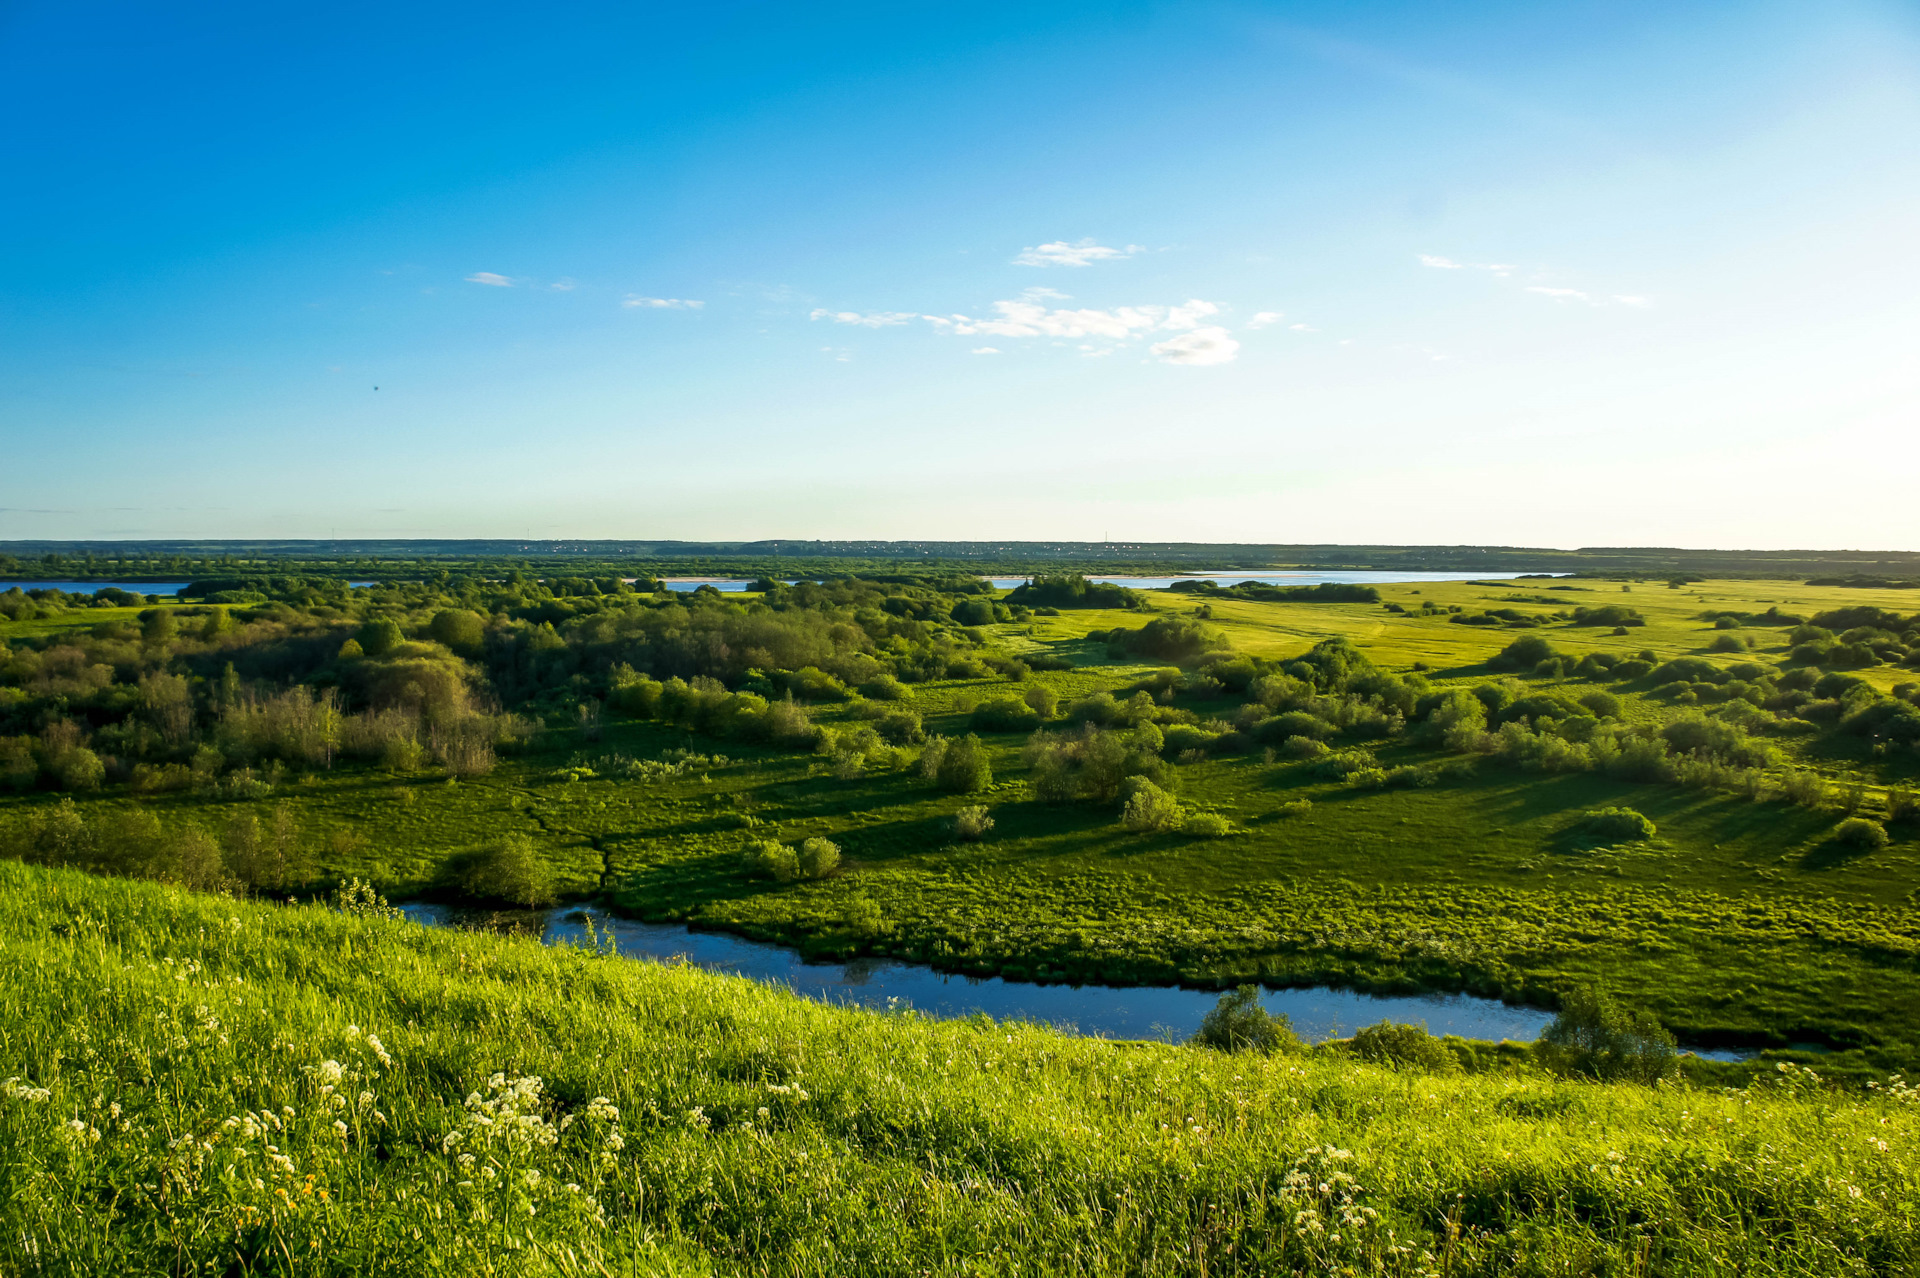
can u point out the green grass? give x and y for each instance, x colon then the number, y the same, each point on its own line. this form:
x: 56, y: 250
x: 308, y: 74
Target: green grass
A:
x: 1741, y: 923
x: 759, y: 1133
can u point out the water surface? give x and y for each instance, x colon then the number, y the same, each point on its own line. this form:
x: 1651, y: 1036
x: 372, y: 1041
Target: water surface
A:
x: 1102, y: 1010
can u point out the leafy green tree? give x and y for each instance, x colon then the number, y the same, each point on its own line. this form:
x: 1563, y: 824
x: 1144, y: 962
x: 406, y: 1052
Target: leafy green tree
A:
x: 963, y: 766
x: 509, y: 870
x: 1238, y: 1023
x: 1149, y: 809
x: 818, y: 858
x: 157, y: 627
x: 380, y: 636
x: 459, y: 629
x: 1594, y: 1037
x: 1390, y: 1043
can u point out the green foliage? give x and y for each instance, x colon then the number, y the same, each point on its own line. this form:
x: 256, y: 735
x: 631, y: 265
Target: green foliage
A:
x: 818, y: 858
x: 771, y: 860
x: 380, y: 636
x: 1004, y: 714
x: 1206, y: 825
x: 1148, y: 809
x: 1593, y: 1037
x: 971, y: 823
x: 1238, y: 1023
x: 1618, y: 825
x: 1072, y: 590
x: 1863, y: 833
x: 509, y: 870
x: 1404, y: 1046
x: 962, y: 765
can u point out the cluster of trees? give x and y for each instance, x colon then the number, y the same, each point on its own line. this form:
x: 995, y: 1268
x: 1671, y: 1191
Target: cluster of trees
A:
x: 246, y: 854
x: 1072, y: 590
x: 1267, y: 592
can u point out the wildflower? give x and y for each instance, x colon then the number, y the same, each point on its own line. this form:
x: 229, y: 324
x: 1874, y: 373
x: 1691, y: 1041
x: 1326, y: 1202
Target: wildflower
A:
x: 340, y: 1129
x: 14, y: 1089
x: 379, y: 1050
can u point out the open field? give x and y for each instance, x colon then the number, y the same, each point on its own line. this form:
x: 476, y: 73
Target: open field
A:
x: 201, y: 1086
x: 1741, y: 922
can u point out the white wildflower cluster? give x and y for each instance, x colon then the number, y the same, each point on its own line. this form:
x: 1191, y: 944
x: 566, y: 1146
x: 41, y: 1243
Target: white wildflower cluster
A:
x: 1326, y: 1197
x: 507, y: 1126
x: 14, y: 1089
x: 1898, y: 1090
x: 373, y: 1045
x: 80, y: 1132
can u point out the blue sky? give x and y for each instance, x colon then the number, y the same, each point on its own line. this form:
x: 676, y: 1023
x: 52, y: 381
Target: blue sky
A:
x: 1565, y: 274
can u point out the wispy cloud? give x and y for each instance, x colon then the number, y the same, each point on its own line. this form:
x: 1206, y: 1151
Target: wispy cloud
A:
x: 1559, y: 293
x: 1025, y: 317
x: 986, y: 350
x: 662, y: 303
x: 1061, y: 253
x: 1202, y: 346
x: 563, y: 286
x: 1302, y: 328
x: 489, y: 278
x: 872, y: 319
x: 1263, y: 318
x: 1439, y: 263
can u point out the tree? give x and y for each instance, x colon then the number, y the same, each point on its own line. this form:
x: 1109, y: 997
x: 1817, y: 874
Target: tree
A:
x: 1149, y: 809
x: 964, y: 766
x: 157, y: 627
x: 1594, y: 1037
x: 510, y: 870
x: 1238, y: 1023
x: 819, y: 858
x: 380, y: 636
x: 459, y: 629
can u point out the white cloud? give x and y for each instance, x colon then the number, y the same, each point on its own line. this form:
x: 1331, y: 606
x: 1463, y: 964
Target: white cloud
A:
x: 662, y: 303
x: 488, y: 277
x: 1302, y: 328
x: 1264, y: 318
x: 1190, y: 315
x: 875, y: 319
x: 1202, y: 346
x: 1632, y: 299
x: 986, y: 350
x: 1565, y: 294
x: 1040, y: 292
x: 1439, y: 263
x: 563, y: 286
x: 1061, y: 253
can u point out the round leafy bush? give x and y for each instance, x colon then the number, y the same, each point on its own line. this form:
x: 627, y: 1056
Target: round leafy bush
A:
x: 819, y: 858
x: 971, y: 822
x: 1617, y: 825
x: 1207, y: 825
x: 1389, y: 1043
x: 1861, y: 832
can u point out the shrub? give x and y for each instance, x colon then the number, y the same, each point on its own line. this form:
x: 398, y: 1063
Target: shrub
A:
x: 508, y: 870
x: 1043, y: 700
x: 1632, y: 668
x: 1621, y: 825
x: 1594, y: 1037
x: 971, y: 822
x: 1604, y: 705
x: 1728, y: 643
x: 78, y: 768
x: 775, y: 861
x: 818, y: 858
x: 1903, y: 805
x: 1806, y: 788
x: 380, y: 636
x: 863, y: 918
x: 1207, y: 825
x: 1238, y: 1023
x: 1389, y: 1043
x: 884, y: 687
x: 1004, y: 714
x: 1861, y: 832
x: 1294, y: 807
x: 960, y: 765
x: 1305, y: 748
x: 1149, y: 809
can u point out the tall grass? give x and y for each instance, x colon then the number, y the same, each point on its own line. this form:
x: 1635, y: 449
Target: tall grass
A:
x: 200, y: 1086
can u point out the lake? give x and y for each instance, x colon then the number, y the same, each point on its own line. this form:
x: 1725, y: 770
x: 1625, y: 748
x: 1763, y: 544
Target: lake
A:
x: 1135, y: 1012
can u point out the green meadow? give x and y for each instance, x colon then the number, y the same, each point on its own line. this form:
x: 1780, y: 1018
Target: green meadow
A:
x: 1380, y: 859
x: 191, y: 1084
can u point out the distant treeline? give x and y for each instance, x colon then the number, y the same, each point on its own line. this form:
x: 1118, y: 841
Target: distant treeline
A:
x: 422, y: 559
x: 1266, y: 592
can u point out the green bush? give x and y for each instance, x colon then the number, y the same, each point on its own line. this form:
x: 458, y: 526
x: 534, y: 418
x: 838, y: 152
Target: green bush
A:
x: 508, y: 870
x: 1149, y: 809
x: 1593, y: 1037
x: 960, y: 765
x: 1206, y: 825
x: 1617, y: 825
x: 1004, y: 714
x: 1238, y: 1023
x: 970, y: 823
x: 818, y: 858
x: 1861, y: 832
x: 1391, y: 1043
x: 775, y: 861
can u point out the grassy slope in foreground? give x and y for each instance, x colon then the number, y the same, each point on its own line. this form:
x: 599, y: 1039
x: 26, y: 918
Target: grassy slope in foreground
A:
x: 239, y: 1089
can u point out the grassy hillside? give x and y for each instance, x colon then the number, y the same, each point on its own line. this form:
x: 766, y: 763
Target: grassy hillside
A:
x: 196, y: 1085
